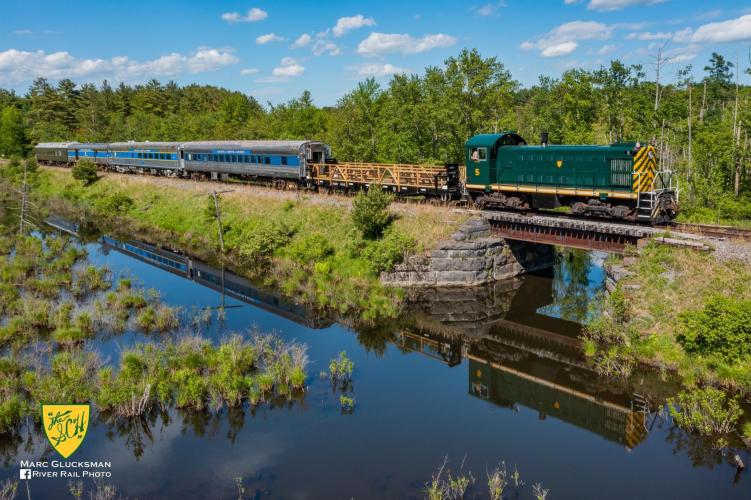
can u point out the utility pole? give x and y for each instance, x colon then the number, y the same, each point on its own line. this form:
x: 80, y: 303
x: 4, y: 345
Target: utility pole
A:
x: 218, y: 212
x: 24, y: 199
x: 736, y: 134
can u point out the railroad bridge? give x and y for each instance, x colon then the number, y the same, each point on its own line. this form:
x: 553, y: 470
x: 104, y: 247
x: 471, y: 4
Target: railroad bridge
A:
x: 590, y: 234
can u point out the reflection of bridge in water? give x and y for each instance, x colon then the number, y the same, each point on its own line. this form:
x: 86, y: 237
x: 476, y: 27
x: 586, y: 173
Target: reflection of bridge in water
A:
x: 516, y: 356
x: 223, y: 281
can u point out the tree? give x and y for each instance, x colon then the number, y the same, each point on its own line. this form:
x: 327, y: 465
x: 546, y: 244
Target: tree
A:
x: 12, y: 132
x: 85, y: 171
x: 718, y: 69
x: 370, y: 212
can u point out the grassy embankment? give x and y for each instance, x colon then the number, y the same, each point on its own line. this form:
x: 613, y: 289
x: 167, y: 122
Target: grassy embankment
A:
x: 304, y: 244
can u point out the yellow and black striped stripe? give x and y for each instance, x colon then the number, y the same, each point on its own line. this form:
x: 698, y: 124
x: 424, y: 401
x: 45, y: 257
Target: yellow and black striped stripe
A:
x: 645, y: 164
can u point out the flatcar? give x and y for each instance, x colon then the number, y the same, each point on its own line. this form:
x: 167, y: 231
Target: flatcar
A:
x: 618, y: 181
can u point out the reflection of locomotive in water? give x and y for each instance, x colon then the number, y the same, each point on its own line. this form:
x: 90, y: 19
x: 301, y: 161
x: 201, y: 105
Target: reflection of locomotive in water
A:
x: 520, y: 358
x: 618, y: 181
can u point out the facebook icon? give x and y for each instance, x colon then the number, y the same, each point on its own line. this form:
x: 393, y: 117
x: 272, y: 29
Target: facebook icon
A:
x: 25, y: 474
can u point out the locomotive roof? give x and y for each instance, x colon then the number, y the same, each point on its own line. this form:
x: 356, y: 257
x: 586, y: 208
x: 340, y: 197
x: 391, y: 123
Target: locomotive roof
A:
x: 490, y: 140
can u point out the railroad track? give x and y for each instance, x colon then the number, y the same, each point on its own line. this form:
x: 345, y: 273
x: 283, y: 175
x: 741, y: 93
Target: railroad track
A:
x: 711, y: 230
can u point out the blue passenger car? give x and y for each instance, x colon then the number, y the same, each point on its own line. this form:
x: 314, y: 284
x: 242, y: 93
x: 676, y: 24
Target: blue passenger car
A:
x: 98, y: 152
x: 145, y: 156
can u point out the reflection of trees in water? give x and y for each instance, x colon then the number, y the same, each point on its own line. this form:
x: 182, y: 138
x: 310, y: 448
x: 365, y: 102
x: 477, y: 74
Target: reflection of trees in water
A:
x: 138, y: 433
x: 374, y: 338
x: 702, y: 450
x: 571, y: 285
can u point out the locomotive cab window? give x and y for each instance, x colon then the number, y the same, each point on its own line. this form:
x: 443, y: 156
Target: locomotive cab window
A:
x: 479, y: 154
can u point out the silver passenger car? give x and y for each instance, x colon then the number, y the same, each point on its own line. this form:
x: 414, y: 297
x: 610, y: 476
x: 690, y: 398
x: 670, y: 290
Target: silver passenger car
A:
x: 272, y: 159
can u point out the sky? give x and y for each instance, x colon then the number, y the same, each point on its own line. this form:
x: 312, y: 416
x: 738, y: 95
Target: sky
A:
x: 275, y: 50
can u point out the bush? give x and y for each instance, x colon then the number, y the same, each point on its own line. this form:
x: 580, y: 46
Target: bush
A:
x: 705, y: 411
x: 264, y: 240
x: 370, y: 214
x: 117, y: 202
x: 84, y: 171
x: 340, y: 370
x: 311, y: 248
x: 722, y: 329
x: 383, y: 255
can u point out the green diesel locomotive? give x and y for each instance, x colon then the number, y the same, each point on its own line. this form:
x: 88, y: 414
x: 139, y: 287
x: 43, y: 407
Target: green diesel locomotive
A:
x: 619, y: 181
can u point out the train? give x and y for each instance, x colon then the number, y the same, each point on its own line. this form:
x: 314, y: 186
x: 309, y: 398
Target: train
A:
x: 619, y: 181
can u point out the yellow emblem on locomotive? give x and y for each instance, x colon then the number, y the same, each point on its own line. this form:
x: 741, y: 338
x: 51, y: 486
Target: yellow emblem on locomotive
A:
x: 65, y: 426
x: 559, y: 163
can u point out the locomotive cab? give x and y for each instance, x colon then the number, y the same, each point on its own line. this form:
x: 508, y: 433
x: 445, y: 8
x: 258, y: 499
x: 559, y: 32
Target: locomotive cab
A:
x: 481, y: 157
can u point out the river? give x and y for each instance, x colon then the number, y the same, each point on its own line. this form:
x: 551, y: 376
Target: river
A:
x: 479, y: 376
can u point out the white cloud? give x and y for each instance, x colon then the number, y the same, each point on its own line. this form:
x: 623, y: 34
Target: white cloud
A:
x: 733, y: 30
x: 268, y: 38
x: 559, y: 49
x: 564, y: 39
x: 608, y: 5
x: 683, y: 35
x: 346, y: 24
x: 288, y: 67
x: 682, y: 54
x: 248, y: 71
x: 571, y: 2
x: 254, y: 14
x: 646, y: 35
x: 378, y: 70
x: 17, y: 66
x: 488, y: 9
x: 322, y: 46
x: 384, y: 43
x: 302, y: 41
x: 606, y: 49
x: 35, y: 32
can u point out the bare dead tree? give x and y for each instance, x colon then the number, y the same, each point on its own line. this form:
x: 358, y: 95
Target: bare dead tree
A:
x: 659, y: 62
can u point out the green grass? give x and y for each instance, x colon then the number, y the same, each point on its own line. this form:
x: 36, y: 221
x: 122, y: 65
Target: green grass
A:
x: 305, y: 245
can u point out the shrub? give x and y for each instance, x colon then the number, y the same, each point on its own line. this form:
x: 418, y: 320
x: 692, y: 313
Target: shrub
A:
x: 370, y: 214
x: 84, y: 171
x: 347, y: 403
x: 264, y: 240
x: 311, y: 248
x: 383, y: 255
x: 341, y: 369
x: 722, y: 328
x: 117, y: 203
x: 705, y: 411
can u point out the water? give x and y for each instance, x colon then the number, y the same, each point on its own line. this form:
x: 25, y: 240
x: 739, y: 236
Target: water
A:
x: 479, y: 376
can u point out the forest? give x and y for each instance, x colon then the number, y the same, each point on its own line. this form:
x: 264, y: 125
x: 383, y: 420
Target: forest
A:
x: 699, y: 127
